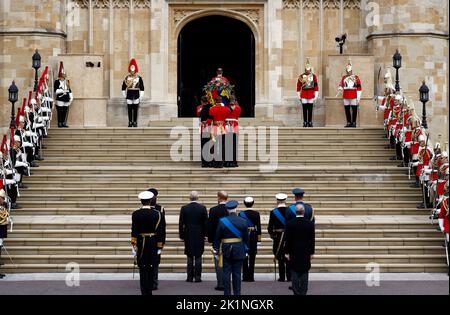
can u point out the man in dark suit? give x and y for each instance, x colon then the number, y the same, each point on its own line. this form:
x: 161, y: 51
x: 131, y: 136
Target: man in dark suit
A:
x: 254, y: 232
x: 231, y: 245
x: 299, y: 249
x: 215, y: 214
x: 160, y: 209
x: 192, y: 229
x: 147, y: 235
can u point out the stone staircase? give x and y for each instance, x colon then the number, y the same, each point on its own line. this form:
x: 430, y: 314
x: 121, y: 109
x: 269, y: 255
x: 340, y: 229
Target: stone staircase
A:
x: 78, y: 204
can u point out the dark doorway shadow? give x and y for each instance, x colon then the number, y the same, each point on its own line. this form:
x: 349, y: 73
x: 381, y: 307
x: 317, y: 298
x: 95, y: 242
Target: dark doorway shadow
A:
x: 206, y: 44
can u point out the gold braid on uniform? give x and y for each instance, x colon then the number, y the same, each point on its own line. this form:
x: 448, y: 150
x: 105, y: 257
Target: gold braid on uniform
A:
x: 4, y: 215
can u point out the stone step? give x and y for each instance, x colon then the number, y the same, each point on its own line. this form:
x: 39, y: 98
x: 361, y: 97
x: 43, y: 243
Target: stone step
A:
x: 176, y: 210
x: 179, y: 250
x: 436, y: 240
x: 269, y: 205
x: 117, y: 231
x: 263, y: 199
x: 209, y: 267
x: 263, y: 259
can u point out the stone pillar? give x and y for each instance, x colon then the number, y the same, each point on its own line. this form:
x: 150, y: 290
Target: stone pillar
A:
x: 419, y: 30
x: 27, y: 25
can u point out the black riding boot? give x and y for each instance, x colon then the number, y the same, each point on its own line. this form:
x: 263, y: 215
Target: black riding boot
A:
x: 135, y: 115
x: 348, y: 115
x: 354, y: 115
x: 130, y: 115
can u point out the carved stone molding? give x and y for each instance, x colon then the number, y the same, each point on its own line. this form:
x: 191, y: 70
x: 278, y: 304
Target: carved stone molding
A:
x: 117, y: 4
x: 315, y: 4
x: 291, y: 4
x: 252, y: 14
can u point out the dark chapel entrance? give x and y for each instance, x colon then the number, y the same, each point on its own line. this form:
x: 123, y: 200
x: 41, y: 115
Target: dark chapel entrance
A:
x: 206, y: 44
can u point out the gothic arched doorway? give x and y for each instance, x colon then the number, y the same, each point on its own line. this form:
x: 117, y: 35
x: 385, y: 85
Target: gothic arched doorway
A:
x: 204, y: 45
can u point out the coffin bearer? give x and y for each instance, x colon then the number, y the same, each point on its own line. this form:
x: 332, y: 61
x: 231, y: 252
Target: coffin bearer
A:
x: 232, y: 137
x: 231, y: 245
x: 64, y: 96
x: 300, y: 248
x: 276, y: 229
x: 308, y: 92
x: 147, y: 237
x: 215, y: 214
x: 161, y: 210
x: 254, y: 230
x: 351, y: 87
x: 193, y: 231
x: 133, y: 91
x: 205, y: 134
x: 219, y: 113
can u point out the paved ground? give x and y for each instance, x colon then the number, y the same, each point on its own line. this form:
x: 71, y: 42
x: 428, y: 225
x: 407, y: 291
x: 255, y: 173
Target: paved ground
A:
x: 337, y: 284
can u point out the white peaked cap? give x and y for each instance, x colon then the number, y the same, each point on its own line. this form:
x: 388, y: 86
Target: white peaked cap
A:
x: 281, y: 196
x: 248, y: 200
x: 146, y: 195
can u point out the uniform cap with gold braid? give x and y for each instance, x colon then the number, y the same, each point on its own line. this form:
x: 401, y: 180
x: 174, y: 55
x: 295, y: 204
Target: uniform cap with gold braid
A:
x: 146, y: 195
x: 281, y: 196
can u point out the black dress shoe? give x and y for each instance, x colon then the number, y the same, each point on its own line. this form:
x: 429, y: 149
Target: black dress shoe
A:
x: 60, y: 125
x: 198, y: 280
x: 281, y: 280
x: 154, y: 288
x: 2, y: 275
x: 189, y: 280
x: 218, y: 289
x: 15, y: 206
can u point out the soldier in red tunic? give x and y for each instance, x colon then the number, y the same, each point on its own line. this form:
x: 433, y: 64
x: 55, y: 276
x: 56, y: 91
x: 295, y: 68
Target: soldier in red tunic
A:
x: 308, y: 92
x: 232, y: 137
x: 423, y: 169
x: 350, y: 85
x: 219, y: 113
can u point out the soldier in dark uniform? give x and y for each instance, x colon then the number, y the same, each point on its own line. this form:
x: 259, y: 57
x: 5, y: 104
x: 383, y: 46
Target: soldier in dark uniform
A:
x: 161, y: 210
x: 148, y: 232
x: 205, y: 135
x: 192, y: 229
x: 254, y: 230
x: 276, y: 229
x: 215, y: 214
x: 231, y: 246
x: 309, y: 210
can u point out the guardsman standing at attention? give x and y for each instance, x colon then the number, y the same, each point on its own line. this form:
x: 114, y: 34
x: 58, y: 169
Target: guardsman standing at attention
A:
x: 64, y: 96
x: 292, y: 209
x: 219, y: 113
x: 254, y: 230
x: 351, y: 87
x: 133, y: 91
x: 308, y: 92
x: 276, y: 229
x: 231, y: 245
x: 232, y: 137
x: 161, y: 210
x: 147, y: 238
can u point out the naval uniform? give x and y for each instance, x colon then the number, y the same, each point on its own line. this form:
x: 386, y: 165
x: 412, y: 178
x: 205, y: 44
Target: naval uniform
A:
x: 292, y: 211
x: 276, y: 229
x: 232, y: 248
x: 253, y: 219
x: 156, y: 269
x: 147, y: 234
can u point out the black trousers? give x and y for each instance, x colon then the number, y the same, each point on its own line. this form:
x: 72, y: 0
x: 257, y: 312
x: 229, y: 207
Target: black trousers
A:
x: 206, y: 155
x: 283, y: 270
x: 133, y: 110
x: 62, y: 112
x: 399, y: 151
x: 231, y: 148
x: 12, y: 193
x: 219, y: 151
x: 406, y: 156
x: 351, y: 113
x: 248, y: 270
x: 146, y: 280
x: 300, y: 282
x: 307, y: 112
x: 156, y: 273
x: 194, y: 268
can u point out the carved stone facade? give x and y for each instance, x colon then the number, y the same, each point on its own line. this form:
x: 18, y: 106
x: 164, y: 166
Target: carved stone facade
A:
x: 286, y: 33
